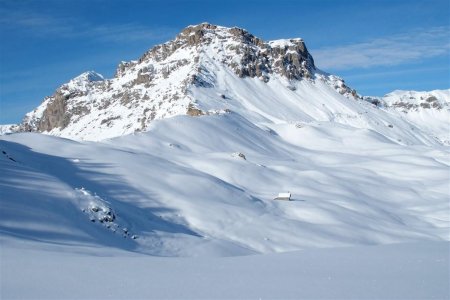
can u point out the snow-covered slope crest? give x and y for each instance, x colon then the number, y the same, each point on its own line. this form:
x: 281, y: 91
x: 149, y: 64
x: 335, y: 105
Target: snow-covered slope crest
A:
x: 418, y: 100
x: 8, y: 128
x: 428, y: 110
x: 159, y: 84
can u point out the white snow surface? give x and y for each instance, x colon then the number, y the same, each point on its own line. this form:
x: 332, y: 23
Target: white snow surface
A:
x: 185, y: 208
x: 179, y: 190
x: 182, y: 190
x: 400, y: 271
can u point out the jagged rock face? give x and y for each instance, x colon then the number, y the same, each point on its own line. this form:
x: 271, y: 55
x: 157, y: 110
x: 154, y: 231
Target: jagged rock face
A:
x: 55, y: 113
x: 159, y: 84
x: 248, y: 55
x: 256, y: 58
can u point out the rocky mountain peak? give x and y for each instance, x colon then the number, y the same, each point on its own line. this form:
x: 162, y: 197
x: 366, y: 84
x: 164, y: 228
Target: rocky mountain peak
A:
x: 160, y: 83
x: 205, y: 33
x: 246, y: 54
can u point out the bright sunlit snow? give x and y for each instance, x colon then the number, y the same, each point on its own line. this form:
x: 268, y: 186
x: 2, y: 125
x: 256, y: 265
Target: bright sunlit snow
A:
x: 186, y: 209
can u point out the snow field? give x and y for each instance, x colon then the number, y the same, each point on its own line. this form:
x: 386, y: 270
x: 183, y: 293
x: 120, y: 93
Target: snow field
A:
x: 401, y: 271
x: 181, y: 188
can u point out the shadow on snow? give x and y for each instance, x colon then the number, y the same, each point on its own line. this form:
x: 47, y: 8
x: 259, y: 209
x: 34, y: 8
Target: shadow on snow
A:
x: 29, y: 200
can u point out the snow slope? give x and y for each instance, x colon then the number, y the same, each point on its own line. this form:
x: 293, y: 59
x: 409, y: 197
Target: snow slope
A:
x: 427, y: 110
x: 183, y: 189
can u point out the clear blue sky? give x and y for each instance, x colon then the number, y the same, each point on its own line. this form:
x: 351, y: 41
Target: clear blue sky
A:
x: 376, y: 46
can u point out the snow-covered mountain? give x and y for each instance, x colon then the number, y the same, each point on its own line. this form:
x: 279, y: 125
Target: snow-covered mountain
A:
x: 166, y: 80
x: 193, y: 142
x: 217, y: 100
x: 209, y: 69
x: 174, y: 78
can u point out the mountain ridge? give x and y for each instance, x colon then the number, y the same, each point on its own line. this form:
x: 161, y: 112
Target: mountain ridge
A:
x: 245, y: 54
x: 203, y: 71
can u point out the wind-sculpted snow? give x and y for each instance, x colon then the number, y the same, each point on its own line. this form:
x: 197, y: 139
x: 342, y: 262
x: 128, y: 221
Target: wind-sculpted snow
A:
x: 204, y: 186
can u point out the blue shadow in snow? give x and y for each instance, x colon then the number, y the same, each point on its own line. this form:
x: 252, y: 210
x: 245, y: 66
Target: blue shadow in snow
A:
x: 24, y: 201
